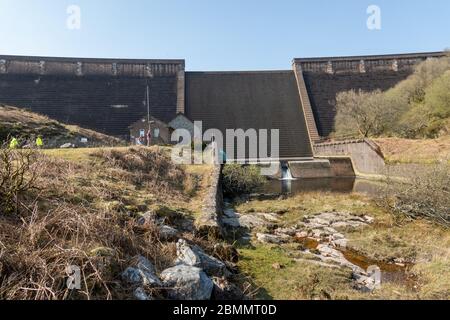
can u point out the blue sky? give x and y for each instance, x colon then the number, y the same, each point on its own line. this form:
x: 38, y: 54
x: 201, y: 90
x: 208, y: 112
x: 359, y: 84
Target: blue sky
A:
x: 222, y: 35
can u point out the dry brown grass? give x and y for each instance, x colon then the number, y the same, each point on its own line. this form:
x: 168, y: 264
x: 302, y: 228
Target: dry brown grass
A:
x: 425, y: 151
x: 426, y: 195
x: 85, y: 214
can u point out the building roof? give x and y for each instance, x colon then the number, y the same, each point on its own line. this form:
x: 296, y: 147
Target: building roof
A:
x: 245, y: 100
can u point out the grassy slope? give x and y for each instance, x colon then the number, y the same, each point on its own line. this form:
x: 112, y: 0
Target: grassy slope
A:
x: 427, y: 244
x: 84, y: 211
x: 423, y: 151
x: 23, y: 124
x: 195, y: 185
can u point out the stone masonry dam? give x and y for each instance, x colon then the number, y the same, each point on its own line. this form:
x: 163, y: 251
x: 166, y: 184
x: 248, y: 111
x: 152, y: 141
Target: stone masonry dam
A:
x: 108, y: 95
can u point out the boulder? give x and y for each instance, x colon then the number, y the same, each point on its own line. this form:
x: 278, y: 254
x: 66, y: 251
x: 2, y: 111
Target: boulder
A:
x: 270, y: 238
x: 286, y: 231
x: 142, y: 273
x: 187, y: 256
x: 230, y: 213
x: 167, y: 233
x: 195, y: 256
x: 187, y: 283
x: 251, y: 221
x: 301, y: 234
x: 139, y: 294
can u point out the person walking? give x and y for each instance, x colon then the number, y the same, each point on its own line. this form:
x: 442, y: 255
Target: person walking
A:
x: 39, y: 142
x: 14, y: 144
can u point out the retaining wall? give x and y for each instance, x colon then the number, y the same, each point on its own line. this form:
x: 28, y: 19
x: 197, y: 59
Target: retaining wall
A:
x: 208, y: 223
x: 366, y: 155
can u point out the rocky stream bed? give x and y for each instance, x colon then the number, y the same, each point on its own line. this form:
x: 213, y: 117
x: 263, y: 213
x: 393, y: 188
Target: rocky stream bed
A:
x: 321, y: 241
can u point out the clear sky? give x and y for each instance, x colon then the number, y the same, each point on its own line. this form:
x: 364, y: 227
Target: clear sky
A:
x: 222, y: 35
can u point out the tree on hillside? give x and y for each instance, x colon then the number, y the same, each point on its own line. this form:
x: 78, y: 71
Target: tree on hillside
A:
x: 359, y: 113
x: 416, y: 107
x: 430, y: 117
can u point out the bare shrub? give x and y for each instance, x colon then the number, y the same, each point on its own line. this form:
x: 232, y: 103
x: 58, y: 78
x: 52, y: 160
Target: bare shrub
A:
x: 18, y: 173
x: 426, y: 195
x: 362, y: 111
x: 59, y: 223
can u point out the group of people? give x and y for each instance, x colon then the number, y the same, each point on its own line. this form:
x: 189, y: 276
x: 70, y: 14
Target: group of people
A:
x: 145, y: 140
x: 14, y: 143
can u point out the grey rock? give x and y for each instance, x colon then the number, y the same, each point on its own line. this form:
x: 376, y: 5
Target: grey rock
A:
x: 272, y: 217
x: 339, y: 225
x: 286, y: 231
x: 318, y: 233
x: 329, y: 254
x: 211, y: 265
x: 302, y: 234
x: 187, y: 283
x: 319, y: 221
x: 67, y: 146
x: 139, y: 294
x: 342, y: 243
x: 251, y: 221
x: 270, y: 238
x: 167, y: 233
x: 132, y: 275
x: 143, y: 273
x: 195, y: 256
x: 230, y: 213
x: 144, y: 264
x: 185, y: 254
x: 364, y: 283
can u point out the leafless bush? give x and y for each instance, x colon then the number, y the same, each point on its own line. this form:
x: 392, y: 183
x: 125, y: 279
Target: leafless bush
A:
x: 18, y: 172
x: 426, y: 195
x: 56, y: 226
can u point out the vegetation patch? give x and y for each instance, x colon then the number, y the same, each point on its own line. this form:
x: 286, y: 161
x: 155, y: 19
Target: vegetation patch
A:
x: 239, y: 179
x: 418, y: 107
x: 391, y: 238
x: 86, y: 214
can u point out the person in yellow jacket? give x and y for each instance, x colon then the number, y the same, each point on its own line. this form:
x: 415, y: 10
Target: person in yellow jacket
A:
x: 39, y: 142
x: 14, y: 144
